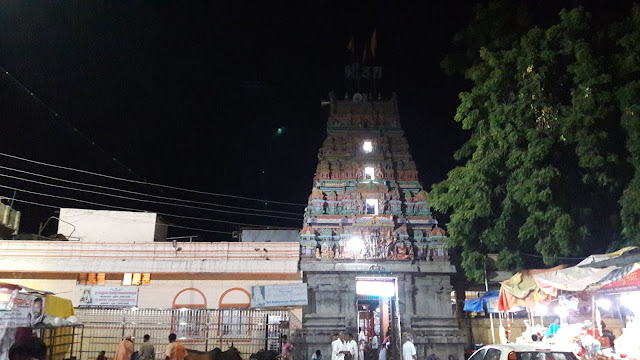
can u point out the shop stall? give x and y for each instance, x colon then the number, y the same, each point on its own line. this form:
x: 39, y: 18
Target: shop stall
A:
x: 26, y: 312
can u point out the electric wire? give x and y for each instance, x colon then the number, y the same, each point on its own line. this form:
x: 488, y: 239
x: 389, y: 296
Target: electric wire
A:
x: 145, y: 194
x: 147, y: 201
x: 137, y: 210
x: 69, y: 124
x: 148, y: 183
x: 160, y: 223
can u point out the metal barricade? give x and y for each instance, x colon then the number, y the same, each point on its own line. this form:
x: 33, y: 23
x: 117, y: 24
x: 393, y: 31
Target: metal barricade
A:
x: 249, y: 330
x: 63, y: 342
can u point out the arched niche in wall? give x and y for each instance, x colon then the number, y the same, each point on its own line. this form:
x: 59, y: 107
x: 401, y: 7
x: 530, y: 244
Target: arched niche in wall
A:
x: 234, y: 315
x: 190, y: 298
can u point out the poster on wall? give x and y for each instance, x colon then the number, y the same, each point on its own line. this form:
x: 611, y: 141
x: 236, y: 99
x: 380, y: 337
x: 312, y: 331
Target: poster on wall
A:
x: 108, y: 297
x: 279, y: 295
x: 25, y: 310
x: 6, y: 298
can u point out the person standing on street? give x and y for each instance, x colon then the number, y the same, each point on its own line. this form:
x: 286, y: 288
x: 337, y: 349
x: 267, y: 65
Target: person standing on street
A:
x: 147, y: 350
x: 338, y: 348
x: 408, y: 349
x: 175, y: 350
x: 286, y: 349
x: 374, y: 347
x: 125, y: 349
x: 352, y: 348
x: 362, y: 342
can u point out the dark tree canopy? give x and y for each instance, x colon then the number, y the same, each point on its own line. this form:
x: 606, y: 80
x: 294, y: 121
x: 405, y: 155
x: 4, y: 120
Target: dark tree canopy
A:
x: 545, y: 166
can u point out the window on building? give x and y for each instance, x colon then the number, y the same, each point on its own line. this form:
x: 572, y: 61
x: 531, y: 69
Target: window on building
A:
x: 126, y: 279
x: 369, y: 173
x: 367, y: 146
x: 146, y: 279
x: 371, y: 207
x: 136, y: 279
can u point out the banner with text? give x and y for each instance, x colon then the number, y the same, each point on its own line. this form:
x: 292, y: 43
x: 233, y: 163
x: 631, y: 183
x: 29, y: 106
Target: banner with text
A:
x: 26, y: 310
x: 108, y: 297
x: 279, y: 295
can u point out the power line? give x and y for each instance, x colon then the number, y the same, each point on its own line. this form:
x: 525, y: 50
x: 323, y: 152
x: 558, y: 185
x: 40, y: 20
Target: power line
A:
x: 148, y: 183
x: 69, y: 124
x: 160, y: 223
x: 149, y: 201
x: 145, y: 194
x: 133, y: 209
x: 555, y: 257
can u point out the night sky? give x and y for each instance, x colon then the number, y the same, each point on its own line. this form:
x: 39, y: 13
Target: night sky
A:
x: 192, y: 94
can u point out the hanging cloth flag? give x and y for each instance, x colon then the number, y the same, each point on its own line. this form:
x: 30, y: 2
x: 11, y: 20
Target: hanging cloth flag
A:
x: 374, y: 44
x: 364, y: 55
x: 351, y: 45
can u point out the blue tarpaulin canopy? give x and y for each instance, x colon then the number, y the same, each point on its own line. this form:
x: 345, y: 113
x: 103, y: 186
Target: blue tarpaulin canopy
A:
x: 477, y: 305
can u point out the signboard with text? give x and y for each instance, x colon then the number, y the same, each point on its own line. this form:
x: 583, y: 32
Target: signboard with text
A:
x: 108, y: 297
x: 279, y: 295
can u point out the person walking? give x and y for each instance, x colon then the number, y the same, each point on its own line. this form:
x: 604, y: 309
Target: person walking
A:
x: 125, y: 349
x: 175, y: 350
x: 147, y: 350
x: 286, y: 349
x: 408, y: 349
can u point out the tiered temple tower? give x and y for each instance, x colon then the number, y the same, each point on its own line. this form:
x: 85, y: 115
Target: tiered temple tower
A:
x: 367, y: 202
x: 369, y: 227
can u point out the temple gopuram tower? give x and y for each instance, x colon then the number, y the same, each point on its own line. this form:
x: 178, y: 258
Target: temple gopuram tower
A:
x: 371, y: 252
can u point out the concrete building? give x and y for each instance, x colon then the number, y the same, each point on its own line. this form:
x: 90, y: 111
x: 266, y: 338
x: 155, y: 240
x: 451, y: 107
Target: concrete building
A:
x: 124, y: 277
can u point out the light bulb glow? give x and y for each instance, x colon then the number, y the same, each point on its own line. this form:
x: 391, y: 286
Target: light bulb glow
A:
x: 355, y: 244
x: 541, y: 309
x: 604, y: 304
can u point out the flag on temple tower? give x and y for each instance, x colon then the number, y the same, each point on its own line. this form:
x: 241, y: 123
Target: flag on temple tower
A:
x: 364, y: 54
x: 374, y: 44
x: 351, y: 45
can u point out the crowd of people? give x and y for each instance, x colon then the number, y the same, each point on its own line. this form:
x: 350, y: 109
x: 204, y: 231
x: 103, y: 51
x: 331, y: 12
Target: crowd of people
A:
x: 125, y: 351
x: 344, y: 347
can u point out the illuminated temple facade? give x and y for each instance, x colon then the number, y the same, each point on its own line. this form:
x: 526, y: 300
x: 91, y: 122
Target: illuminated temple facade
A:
x: 371, y: 253
x: 366, y: 201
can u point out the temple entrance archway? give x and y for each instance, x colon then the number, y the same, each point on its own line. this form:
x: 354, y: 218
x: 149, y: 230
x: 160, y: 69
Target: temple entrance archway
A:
x: 377, y: 303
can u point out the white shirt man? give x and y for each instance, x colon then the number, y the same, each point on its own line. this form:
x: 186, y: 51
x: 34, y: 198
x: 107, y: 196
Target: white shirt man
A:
x: 409, y: 350
x: 338, y: 348
x: 374, y: 342
x: 352, y: 346
x: 362, y: 341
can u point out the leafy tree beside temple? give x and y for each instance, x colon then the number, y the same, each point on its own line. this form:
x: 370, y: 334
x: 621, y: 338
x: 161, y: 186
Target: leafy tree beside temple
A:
x: 552, y: 164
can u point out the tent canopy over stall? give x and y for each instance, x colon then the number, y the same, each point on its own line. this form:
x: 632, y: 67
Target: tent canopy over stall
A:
x: 478, y: 304
x: 593, y: 272
x: 522, y: 290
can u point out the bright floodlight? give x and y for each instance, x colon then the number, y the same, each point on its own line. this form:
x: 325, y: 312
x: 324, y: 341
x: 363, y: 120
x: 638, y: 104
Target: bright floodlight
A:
x: 376, y: 288
x: 367, y: 146
x: 355, y: 244
x: 370, y: 173
x: 562, y: 312
x: 604, y: 304
x: 541, y: 309
x: 631, y: 301
x: 372, y: 206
